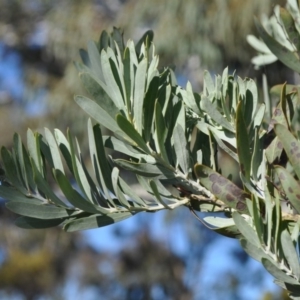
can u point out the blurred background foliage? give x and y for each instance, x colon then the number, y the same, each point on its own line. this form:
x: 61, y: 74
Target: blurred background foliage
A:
x: 39, y: 40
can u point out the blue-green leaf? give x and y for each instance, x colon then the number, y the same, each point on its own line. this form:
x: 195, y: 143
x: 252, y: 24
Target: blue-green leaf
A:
x: 222, y: 188
x: 291, y: 146
x: 94, y: 57
x: 160, y: 131
x: 45, y: 188
x: 130, y: 131
x: 209, y: 86
x: 97, y: 90
x: 115, y: 178
x: 39, y: 211
x: 11, y: 194
x: 95, y: 221
x: 274, y: 150
x: 277, y: 273
x: 19, y: 161
x: 54, y: 150
x: 255, y: 252
x: 181, y: 149
x: 157, y: 195
x: 34, y: 149
x: 290, y: 186
x: 96, y: 143
x: 243, y: 149
x: 212, y: 112
x: 146, y: 169
x: 97, y: 112
x: 75, y: 198
x: 11, y: 170
x: 113, y: 89
x: 256, y: 156
x: 287, y: 57
x: 246, y: 230
x: 139, y: 94
x: 119, y: 146
x: 290, y: 253
x: 33, y: 223
x: 127, y: 190
x: 79, y: 173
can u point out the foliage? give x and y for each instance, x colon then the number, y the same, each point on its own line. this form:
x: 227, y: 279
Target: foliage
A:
x: 283, y: 27
x: 47, y: 34
x: 169, y: 137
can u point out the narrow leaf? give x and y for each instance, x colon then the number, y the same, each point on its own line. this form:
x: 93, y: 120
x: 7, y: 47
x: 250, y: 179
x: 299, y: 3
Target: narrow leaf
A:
x: 79, y: 173
x: 256, y: 156
x: 293, y: 288
x: 128, y: 78
x: 287, y: 57
x: 290, y: 186
x: 131, y: 193
x: 246, y: 230
x: 258, y: 118
x: 39, y: 211
x: 75, y: 198
x: 213, y: 113
x: 97, y: 113
x: 117, y: 36
x: 34, y: 149
x: 104, y: 40
x: 253, y: 95
x: 291, y: 146
x: 255, y: 252
x: 130, y: 131
x: 95, y: 221
x: 54, y: 150
x: 290, y: 253
x: 222, y: 145
x: 111, y: 81
x: 117, y: 190
x: 189, y: 98
x: 146, y: 169
x: 243, y: 149
x: 181, y: 148
x: 138, y: 97
x: 105, y: 169
x: 277, y: 273
x: 157, y: 195
x: 161, y: 132
x: 279, y: 113
x: 228, y: 231
x: 33, y: 223
x: 146, y: 39
x: 274, y: 150
x: 11, y: 170
x: 94, y: 57
x: 11, y: 194
x: 97, y: 91
x: 222, y: 188
x: 64, y: 147
x: 28, y: 168
x: 119, y: 146
x: 19, y: 162
x: 208, y: 87
x: 45, y: 188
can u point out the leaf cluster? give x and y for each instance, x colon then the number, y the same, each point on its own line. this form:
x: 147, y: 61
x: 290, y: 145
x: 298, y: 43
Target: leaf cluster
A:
x: 168, y: 138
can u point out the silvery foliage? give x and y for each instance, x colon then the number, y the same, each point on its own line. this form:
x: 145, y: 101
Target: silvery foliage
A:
x: 168, y: 137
